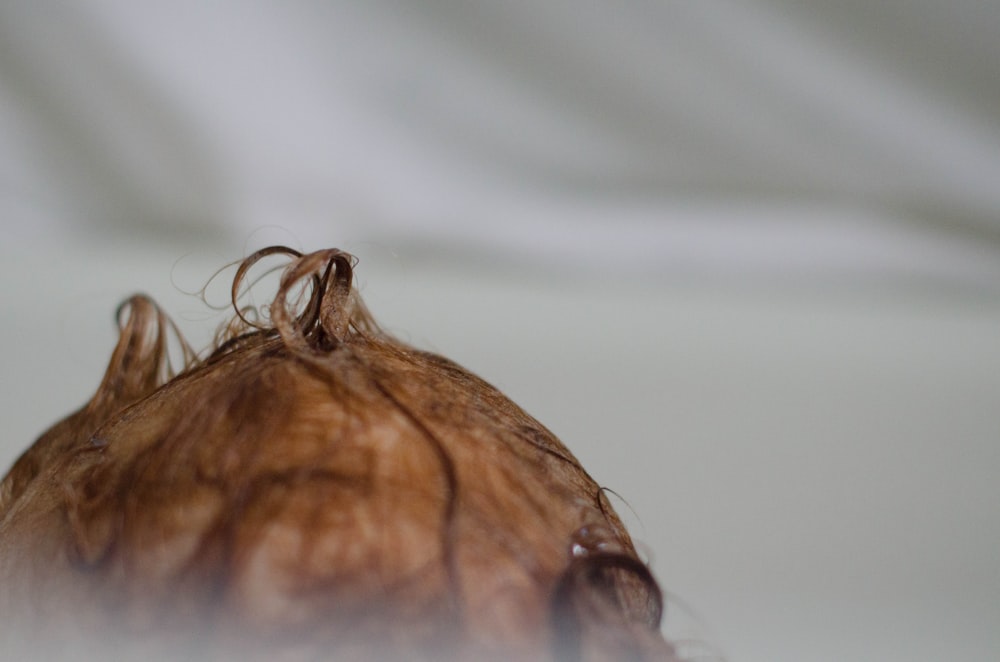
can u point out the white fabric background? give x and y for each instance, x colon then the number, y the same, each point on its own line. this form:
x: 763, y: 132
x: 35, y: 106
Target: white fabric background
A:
x: 716, y: 136
x: 743, y: 257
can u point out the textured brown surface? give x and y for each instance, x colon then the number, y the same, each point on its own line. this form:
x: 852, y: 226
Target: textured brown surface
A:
x: 316, y: 489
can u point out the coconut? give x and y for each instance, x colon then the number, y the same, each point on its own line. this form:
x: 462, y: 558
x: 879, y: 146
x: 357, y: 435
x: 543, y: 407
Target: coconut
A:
x: 312, y: 489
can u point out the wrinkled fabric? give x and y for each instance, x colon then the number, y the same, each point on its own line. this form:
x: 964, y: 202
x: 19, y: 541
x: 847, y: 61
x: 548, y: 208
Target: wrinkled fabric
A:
x: 766, y: 137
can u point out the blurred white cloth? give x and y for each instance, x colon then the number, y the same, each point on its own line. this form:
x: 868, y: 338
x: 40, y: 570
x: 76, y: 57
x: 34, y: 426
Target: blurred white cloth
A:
x: 782, y: 138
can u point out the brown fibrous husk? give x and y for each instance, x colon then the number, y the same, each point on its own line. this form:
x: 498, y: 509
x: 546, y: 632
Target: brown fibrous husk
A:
x: 313, y: 489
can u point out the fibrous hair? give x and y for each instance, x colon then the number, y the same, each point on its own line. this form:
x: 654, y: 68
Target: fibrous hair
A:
x: 313, y: 487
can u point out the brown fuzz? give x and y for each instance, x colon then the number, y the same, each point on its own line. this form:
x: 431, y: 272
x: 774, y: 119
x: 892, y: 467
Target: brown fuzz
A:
x: 312, y: 489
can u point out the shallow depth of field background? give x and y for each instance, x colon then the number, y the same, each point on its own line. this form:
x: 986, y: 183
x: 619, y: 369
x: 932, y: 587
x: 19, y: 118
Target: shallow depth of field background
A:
x: 743, y: 257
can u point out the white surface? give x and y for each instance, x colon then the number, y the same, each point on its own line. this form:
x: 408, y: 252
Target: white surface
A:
x: 748, y: 136
x: 815, y: 475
